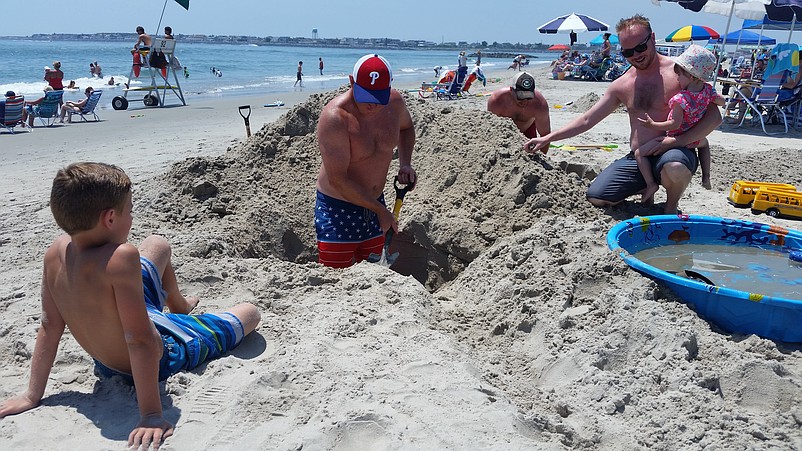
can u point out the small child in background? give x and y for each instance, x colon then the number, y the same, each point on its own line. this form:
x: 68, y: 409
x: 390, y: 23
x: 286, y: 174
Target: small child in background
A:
x: 693, y: 68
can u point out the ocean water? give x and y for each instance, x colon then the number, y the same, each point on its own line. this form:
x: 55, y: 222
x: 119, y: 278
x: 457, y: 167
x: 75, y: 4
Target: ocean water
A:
x: 245, y: 69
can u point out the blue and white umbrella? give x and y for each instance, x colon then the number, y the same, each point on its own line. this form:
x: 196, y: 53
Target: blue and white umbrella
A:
x: 573, y: 23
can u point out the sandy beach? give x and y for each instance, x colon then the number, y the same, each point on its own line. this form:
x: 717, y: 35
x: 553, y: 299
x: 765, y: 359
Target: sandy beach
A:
x: 507, y: 325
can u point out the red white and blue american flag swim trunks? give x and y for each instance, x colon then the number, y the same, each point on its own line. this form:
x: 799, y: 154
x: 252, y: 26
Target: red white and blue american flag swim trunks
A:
x: 346, y: 233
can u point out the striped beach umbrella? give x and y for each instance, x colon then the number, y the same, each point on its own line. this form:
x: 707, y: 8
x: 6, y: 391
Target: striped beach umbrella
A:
x: 572, y: 23
x: 692, y: 33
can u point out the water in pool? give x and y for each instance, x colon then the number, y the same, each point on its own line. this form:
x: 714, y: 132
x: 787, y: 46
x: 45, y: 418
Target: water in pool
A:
x: 743, y: 268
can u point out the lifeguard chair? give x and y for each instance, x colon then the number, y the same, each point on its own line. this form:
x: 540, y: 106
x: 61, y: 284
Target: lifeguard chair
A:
x: 160, y: 81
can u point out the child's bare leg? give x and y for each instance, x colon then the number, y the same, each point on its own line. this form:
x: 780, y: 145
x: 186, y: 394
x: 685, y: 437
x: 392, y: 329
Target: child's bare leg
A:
x: 248, y: 315
x: 157, y: 249
x: 703, y: 149
x: 647, y: 195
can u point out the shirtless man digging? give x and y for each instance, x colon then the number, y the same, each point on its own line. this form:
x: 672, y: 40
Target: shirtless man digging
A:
x: 357, y: 133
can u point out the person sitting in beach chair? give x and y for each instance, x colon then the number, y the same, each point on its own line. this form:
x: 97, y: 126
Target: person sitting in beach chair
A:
x: 46, y: 108
x: 83, y: 107
x: 12, y: 111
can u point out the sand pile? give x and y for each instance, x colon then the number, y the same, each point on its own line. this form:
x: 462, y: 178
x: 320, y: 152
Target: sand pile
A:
x: 475, y: 187
x: 524, y: 333
x: 529, y: 322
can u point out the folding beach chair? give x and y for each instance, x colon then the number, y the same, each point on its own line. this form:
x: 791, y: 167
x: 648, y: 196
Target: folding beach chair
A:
x: 596, y: 73
x: 13, y: 113
x: 48, y: 110
x: 765, y: 107
x: 89, y: 107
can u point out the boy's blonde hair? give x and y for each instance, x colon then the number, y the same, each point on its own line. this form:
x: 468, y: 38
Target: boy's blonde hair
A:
x: 82, y: 191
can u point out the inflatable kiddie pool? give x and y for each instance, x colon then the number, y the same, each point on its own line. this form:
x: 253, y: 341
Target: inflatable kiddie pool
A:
x: 754, y: 312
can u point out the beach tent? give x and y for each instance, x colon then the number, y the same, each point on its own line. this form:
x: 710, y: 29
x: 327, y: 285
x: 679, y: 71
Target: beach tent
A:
x: 768, y: 24
x: 795, y: 24
x: 744, y: 37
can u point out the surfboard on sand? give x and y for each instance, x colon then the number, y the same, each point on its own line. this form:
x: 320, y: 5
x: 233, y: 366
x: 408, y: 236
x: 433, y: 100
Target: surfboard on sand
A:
x: 276, y: 103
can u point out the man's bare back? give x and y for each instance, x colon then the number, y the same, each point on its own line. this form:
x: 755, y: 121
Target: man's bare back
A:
x: 144, y: 39
x: 524, y: 113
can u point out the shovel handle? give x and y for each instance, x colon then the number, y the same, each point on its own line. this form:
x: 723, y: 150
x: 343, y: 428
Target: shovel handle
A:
x: 400, y: 192
x: 246, y: 118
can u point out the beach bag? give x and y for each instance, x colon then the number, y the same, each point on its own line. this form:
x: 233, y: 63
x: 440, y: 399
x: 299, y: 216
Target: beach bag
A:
x: 157, y: 59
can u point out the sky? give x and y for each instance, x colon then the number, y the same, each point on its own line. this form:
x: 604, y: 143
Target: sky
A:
x: 466, y: 20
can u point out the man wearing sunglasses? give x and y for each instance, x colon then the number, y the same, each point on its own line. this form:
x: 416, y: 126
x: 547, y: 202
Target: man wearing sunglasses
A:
x: 644, y: 90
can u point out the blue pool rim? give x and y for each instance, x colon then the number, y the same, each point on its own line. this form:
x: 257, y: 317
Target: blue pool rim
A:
x: 730, y: 309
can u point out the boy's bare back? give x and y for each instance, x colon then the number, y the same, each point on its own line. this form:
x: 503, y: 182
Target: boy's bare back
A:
x: 94, y: 290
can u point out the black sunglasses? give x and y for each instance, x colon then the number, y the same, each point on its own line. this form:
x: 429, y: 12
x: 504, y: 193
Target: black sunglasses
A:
x: 627, y: 53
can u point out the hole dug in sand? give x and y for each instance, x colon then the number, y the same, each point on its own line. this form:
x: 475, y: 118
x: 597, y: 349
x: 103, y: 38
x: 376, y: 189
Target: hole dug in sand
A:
x: 475, y: 187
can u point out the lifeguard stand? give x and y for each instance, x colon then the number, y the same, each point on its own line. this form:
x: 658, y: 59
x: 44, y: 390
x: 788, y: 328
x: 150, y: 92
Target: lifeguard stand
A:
x: 160, y: 84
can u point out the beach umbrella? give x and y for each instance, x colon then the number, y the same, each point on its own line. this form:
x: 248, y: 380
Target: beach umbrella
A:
x: 559, y: 47
x: 692, y: 33
x: 572, y: 23
x: 745, y: 9
x: 598, y: 40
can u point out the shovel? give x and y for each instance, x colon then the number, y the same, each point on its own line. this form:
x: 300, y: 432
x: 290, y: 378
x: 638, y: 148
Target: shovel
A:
x: 605, y: 147
x: 246, y: 117
x: 386, y: 259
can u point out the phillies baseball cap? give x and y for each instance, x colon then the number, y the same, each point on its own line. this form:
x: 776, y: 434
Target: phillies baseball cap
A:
x: 372, y: 77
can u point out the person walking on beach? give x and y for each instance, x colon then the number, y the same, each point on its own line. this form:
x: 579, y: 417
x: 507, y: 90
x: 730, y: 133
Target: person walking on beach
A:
x: 112, y: 294
x: 693, y: 68
x: 299, y: 75
x: 646, y: 89
x: 357, y: 134
x: 522, y: 103
x: 320, y: 65
x: 607, y: 47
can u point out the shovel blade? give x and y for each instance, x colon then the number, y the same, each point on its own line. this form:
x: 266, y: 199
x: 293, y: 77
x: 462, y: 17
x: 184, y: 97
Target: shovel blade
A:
x: 375, y: 258
x: 383, y: 259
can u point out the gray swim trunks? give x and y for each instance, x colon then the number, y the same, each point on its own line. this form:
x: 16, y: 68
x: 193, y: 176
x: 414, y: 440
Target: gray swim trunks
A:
x: 623, y: 179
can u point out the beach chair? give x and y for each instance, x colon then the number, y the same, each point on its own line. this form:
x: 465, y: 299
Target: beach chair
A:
x: 13, y: 113
x: 765, y: 107
x: 48, y: 110
x: 89, y: 107
x: 455, y: 88
x: 597, y: 73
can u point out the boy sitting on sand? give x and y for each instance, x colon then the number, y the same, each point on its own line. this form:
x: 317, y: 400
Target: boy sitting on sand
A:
x: 111, y: 295
x: 693, y: 68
